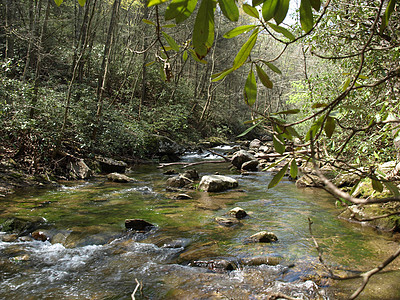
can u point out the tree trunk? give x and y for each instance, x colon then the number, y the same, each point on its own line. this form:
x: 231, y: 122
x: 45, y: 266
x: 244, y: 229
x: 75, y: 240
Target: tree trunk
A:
x: 9, y: 18
x: 39, y: 61
x: 102, y: 80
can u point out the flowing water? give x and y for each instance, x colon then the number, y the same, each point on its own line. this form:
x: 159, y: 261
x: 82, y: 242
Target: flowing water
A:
x: 92, y: 256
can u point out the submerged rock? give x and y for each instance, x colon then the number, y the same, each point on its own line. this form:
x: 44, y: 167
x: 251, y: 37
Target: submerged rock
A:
x: 261, y: 260
x: 190, y: 174
x: 238, y: 213
x: 227, y: 222
x: 215, y: 264
x: 22, y: 226
x: 217, y: 183
x: 138, y: 224
x: 182, y: 197
x: 116, y: 177
x: 262, y: 237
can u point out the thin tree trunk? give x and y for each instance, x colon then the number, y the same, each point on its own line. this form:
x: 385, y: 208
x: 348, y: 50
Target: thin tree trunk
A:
x: 39, y: 61
x: 34, y: 15
x: 102, y: 81
x: 9, y: 18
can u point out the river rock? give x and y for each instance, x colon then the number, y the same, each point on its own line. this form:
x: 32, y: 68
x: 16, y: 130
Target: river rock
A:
x: 191, y: 174
x: 251, y: 165
x: 255, y: 144
x: 182, y: 197
x: 178, y: 181
x: 9, y: 238
x: 79, y: 169
x: 261, y: 260
x: 309, y: 180
x: 241, y: 157
x: 262, y: 237
x: 215, y: 264
x: 238, y: 213
x: 109, y: 165
x: 39, y: 235
x: 22, y: 226
x: 217, y: 183
x: 227, y: 222
x: 117, y: 177
x: 138, y: 224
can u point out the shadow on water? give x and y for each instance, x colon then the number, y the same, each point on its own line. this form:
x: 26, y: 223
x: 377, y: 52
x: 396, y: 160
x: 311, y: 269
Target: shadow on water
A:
x: 92, y: 256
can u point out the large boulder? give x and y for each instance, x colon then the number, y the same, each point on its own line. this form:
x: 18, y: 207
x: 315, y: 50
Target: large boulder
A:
x: 165, y: 148
x: 217, y: 183
x: 241, y: 157
x: 79, y: 169
x: 109, y: 165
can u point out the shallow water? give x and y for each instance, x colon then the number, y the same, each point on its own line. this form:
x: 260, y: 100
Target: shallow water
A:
x: 96, y: 258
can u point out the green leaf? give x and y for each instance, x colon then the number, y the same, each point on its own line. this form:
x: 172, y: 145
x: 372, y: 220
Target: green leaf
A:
x: 155, y: 2
x: 281, y: 11
x: 180, y: 10
x: 377, y: 185
x: 278, y: 177
x: 346, y: 84
x: 278, y: 144
x: 58, y: 2
x: 355, y: 187
x: 185, y: 55
x: 292, y: 131
x: 229, y: 9
x: 250, y: 128
x: 169, y: 26
x: 392, y: 188
x: 221, y: 75
x: 269, y: 8
x: 238, y: 30
x: 330, y: 125
x: 203, y: 31
x: 171, y: 41
x: 306, y: 15
x: 244, y: 52
x: 282, y: 30
x: 293, y: 169
x: 316, y: 4
x: 250, y: 89
x: 195, y: 57
x: 272, y: 67
x: 319, y: 105
x: 312, y: 132
x: 150, y: 63
x: 385, y: 18
x: 148, y: 22
x: 264, y: 77
x: 82, y: 2
x: 288, y: 112
x: 251, y: 11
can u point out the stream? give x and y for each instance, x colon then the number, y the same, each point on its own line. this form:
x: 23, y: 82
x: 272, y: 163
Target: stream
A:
x: 92, y: 256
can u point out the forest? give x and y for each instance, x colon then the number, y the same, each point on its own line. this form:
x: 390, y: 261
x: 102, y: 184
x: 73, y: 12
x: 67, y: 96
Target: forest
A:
x: 120, y: 78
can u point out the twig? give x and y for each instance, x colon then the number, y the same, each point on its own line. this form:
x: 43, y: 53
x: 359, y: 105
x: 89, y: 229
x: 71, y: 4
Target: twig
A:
x: 136, y: 288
